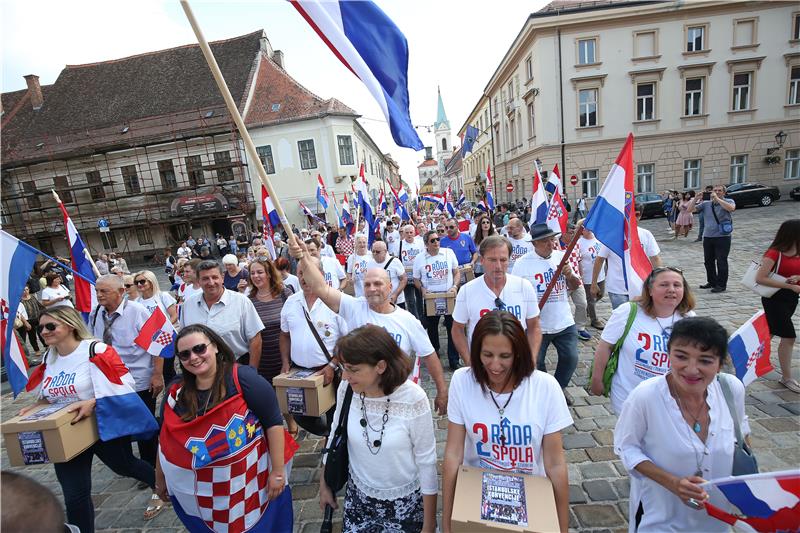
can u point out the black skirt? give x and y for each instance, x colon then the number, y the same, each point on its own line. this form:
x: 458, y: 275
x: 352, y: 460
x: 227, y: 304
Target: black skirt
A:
x: 779, y: 310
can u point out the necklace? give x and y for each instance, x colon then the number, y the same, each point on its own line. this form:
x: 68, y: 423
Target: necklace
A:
x: 663, y: 329
x: 501, y: 411
x: 698, y: 457
x: 366, y: 426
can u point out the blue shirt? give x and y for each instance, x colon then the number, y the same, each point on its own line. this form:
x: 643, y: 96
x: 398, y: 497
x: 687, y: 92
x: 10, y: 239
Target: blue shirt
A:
x: 463, y: 246
x: 711, y: 228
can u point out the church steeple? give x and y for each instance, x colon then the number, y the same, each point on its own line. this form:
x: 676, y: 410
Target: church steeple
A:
x: 441, y: 116
x: 441, y: 128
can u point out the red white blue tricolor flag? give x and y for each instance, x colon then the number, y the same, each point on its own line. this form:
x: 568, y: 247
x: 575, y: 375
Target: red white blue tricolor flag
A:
x: 765, y: 502
x: 749, y: 347
x: 489, y: 189
x: 373, y: 48
x: 557, y: 216
x: 16, y: 263
x: 157, y: 336
x: 540, y: 207
x: 613, y: 220
x: 85, y: 296
x: 271, y: 221
x: 322, y: 192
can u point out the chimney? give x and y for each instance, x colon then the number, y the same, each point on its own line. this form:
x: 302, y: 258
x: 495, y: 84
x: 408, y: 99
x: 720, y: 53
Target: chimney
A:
x: 35, y: 91
x: 428, y: 153
x: 277, y: 57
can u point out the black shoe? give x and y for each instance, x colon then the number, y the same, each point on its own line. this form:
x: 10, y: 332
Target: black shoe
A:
x: 707, y: 286
x: 141, y: 485
x: 718, y: 289
x: 698, y: 239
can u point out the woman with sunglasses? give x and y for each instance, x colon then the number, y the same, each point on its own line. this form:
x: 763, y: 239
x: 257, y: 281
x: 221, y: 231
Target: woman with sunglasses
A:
x: 222, y: 432
x: 66, y: 376
x: 131, y: 292
x: 665, y: 300
x: 483, y: 229
x: 503, y: 414
x: 152, y: 297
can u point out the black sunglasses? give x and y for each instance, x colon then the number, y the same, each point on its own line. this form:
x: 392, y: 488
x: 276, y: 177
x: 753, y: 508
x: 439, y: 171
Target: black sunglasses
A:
x: 141, y: 281
x: 49, y: 327
x: 498, y: 303
x: 197, y: 349
x: 433, y: 240
x: 128, y: 285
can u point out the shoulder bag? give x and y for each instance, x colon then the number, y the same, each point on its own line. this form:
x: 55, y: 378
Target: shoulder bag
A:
x: 613, y: 359
x: 337, y: 463
x: 749, y: 278
x: 337, y: 372
x: 744, y: 461
x: 726, y: 227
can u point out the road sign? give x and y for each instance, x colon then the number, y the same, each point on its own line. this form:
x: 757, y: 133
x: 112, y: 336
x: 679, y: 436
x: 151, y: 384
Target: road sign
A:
x: 573, y: 179
x: 510, y: 187
x: 102, y: 224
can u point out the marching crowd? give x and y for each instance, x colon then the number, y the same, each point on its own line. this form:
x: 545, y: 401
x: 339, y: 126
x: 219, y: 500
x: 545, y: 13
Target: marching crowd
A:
x: 367, y: 317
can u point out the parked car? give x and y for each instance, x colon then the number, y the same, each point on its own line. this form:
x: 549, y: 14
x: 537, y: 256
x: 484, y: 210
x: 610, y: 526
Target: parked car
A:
x: 753, y: 194
x: 653, y: 204
x: 794, y: 194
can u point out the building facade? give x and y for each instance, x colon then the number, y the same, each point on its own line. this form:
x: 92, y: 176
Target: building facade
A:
x: 480, y: 158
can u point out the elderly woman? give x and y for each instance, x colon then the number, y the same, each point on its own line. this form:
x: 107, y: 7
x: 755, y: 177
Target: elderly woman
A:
x: 390, y: 442
x: 235, y: 276
x: 643, y: 328
x: 55, y: 294
x: 131, y: 292
x: 677, y: 430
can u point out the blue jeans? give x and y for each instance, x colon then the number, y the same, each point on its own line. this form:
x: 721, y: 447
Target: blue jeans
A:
x: 566, y: 343
x: 617, y: 299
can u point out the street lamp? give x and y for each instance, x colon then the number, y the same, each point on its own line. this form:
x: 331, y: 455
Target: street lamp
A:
x: 780, y: 138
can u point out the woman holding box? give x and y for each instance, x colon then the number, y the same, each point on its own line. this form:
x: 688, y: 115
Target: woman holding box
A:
x: 504, y: 415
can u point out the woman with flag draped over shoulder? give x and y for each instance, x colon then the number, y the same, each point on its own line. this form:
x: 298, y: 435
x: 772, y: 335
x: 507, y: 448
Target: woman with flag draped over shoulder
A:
x: 90, y: 376
x: 223, y: 450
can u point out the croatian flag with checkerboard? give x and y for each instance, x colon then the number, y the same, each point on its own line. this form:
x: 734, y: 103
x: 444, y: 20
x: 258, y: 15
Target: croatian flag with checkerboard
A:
x: 749, y: 347
x: 157, y: 336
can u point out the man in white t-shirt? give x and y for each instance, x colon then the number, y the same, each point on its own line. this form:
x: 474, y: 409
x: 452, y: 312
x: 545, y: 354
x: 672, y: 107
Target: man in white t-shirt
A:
x: 558, y: 325
x: 394, y: 267
x: 520, y: 241
x: 496, y: 289
x: 409, y: 248
x: 190, y: 284
x: 590, y: 247
x: 392, y: 238
x: 375, y: 307
x: 437, y: 270
x: 331, y: 268
x: 326, y: 250
x: 357, y: 265
x: 615, y: 281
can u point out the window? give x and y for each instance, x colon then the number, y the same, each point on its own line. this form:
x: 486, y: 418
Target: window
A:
x: 694, y: 97
x: 691, y: 174
x: 695, y: 38
x: 61, y: 186
x: 222, y: 160
x: 739, y: 168
x: 645, y: 101
x: 796, y: 27
x: 511, y: 92
x: 143, y: 235
x: 131, y: 179
x: 513, y: 130
x: 110, y: 239
x: 645, y: 181
x: 308, y: 158
x: 741, y: 91
x: 46, y: 245
x: 794, y: 86
x: 792, y: 171
x: 167, y: 172
x: 265, y: 155
x: 529, y: 69
x: 586, y: 51
x: 194, y: 170
x: 589, y: 182
x: 97, y: 191
x: 345, y: 149
x: 644, y: 44
x: 531, y: 121
x: 587, y: 107
x: 31, y: 195
x: 744, y: 32
x: 444, y: 147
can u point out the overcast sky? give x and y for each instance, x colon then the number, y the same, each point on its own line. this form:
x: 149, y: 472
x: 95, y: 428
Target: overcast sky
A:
x: 453, y: 44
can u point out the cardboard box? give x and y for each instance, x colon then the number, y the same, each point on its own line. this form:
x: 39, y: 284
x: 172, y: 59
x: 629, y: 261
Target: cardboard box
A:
x: 45, y: 435
x: 467, y: 272
x: 492, y: 501
x: 300, y: 392
x: 439, y: 303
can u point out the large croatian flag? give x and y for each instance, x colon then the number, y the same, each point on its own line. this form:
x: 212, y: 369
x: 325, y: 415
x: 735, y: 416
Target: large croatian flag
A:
x: 372, y: 47
x: 157, y: 336
x: 613, y: 221
x: 16, y: 263
x: 539, y: 205
x: 85, y: 295
x: 271, y: 221
x: 557, y: 216
x: 749, y: 347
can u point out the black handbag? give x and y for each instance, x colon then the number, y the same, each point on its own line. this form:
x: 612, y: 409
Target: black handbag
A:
x: 744, y: 461
x: 337, y: 462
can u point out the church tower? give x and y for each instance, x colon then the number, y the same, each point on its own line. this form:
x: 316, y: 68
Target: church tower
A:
x: 444, y: 145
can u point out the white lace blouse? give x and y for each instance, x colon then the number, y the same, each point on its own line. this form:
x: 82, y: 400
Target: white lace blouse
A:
x: 406, y: 459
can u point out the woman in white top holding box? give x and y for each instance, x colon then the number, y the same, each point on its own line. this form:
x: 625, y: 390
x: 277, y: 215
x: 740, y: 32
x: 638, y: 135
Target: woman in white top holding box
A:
x: 504, y: 415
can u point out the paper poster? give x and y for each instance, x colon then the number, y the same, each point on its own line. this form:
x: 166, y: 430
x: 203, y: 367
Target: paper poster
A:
x: 31, y: 443
x: 47, y: 411
x: 441, y: 306
x: 503, y: 499
x: 296, y: 400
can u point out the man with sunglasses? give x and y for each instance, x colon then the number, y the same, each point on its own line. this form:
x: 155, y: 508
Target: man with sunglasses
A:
x: 462, y: 245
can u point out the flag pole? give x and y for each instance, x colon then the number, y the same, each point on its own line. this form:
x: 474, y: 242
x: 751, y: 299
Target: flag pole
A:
x: 567, y: 252
x: 85, y: 250
x: 250, y: 148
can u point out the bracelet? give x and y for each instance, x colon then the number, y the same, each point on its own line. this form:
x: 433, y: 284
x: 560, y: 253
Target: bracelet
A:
x: 333, y: 365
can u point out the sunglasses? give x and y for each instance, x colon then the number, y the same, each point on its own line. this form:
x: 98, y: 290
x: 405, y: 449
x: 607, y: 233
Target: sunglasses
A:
x: 49, y: 327
x: 128, y: 285
x: 433, y: 240
x: 141, y: 281
x: 485, y: 222
x: 451, y: 227
x: 498, y: 303
x: 197, y: 349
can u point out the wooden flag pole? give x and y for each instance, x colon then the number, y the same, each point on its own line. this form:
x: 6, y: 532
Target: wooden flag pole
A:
x: 570, y: 246
x: 250, y: 148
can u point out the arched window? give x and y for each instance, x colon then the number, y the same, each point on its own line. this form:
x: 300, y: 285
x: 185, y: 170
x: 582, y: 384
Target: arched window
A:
x: 444, y: 144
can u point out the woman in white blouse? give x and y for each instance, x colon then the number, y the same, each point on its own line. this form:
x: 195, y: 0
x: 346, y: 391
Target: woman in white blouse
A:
x: 676, y: 430
x: 55, y: 294
x: 392, y: 450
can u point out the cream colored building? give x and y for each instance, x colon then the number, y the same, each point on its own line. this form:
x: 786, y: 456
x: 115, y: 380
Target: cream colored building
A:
x: 480, y: 158
x: 704, y: 86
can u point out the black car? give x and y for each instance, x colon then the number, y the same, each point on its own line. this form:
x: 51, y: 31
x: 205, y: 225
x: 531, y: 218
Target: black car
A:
x: 753, y: 194
x: 653, y: 204
x: 794, y: 194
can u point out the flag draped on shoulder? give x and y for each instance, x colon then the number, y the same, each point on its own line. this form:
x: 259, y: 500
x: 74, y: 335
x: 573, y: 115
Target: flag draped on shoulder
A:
x: 373, y: 48
x: 557, y: 216
x: 16, y: 263
x: 749, y: 347
x: 157, y: 336
x: 612, y: 218
x: 85, y: 296
x: 489, y: 189
x: 322, y: 192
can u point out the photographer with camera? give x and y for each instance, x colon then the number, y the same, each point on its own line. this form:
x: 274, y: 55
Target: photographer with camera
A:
x: 716, y: 209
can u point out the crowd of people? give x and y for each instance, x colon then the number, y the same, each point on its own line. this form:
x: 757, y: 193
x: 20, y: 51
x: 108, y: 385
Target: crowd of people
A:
x: 365, y: 312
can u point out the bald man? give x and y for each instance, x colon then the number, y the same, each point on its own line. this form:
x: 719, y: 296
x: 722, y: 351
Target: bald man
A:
x: 394, y: 267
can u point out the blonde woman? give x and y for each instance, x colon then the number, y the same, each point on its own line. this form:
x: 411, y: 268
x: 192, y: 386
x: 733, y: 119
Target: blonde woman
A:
x: 131, y: 292
x: 151, y: 296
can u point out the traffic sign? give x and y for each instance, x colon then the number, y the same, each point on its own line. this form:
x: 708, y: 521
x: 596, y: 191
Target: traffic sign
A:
x: 510, y: 187
x: 103, y: 225
x: 573, y: 179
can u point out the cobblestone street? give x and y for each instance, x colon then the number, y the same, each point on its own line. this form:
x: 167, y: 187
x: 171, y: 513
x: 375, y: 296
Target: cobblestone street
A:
x: 598, y: 483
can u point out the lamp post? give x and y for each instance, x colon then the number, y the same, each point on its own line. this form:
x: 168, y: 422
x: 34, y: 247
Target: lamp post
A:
x: 780, y: 138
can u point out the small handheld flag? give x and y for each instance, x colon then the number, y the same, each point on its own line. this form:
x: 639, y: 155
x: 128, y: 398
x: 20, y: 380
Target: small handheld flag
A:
x: 322, y: 192
x: 157, y: 336
x: 749, y: 347
x: 489, y: 189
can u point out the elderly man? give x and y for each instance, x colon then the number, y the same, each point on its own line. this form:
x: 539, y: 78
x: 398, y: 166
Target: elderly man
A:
x: 496, y: 289
x: 331, y: 268
x: 102, y: 264
x: 375, y: 307
x: 520, y: 241
x: 394, y: 267
x: 118, y: 321
x: 558, y: 325
x: 357, y: 265
x: 229, y: 313
x: 410, y: 247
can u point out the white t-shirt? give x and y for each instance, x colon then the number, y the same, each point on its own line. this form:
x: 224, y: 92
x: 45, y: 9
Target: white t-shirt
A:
x: 519, y: 247
x: 186, y: 290
x: 435, y: 272
x: 68, y: 378
x: 475, y: 299
x: 404, y: 327
x: 305, y: 350
x: 333, y: 271
x: 327, y: 251
x: 536, y: 408
x: 556, y: 314
x: 51, y: 293
x: 614, y: 280
x: 589, y: 249
x: 165, y: 300
x: 395, y: 270
x: 184, y: 251
x: 393, y: 242
x: 409, y: 252
x: 644, y: 353
x: 293, y: 282
x: 357, y: 268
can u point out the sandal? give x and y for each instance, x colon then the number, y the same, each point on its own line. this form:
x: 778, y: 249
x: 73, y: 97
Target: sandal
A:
x: 791, y: 384
x: 154, y: 508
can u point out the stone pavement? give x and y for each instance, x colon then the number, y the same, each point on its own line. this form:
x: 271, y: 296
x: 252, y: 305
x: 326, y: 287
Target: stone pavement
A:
x: 598, y: 482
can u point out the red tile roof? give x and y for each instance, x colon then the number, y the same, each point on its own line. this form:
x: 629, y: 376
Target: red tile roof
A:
x: 428, y: 163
